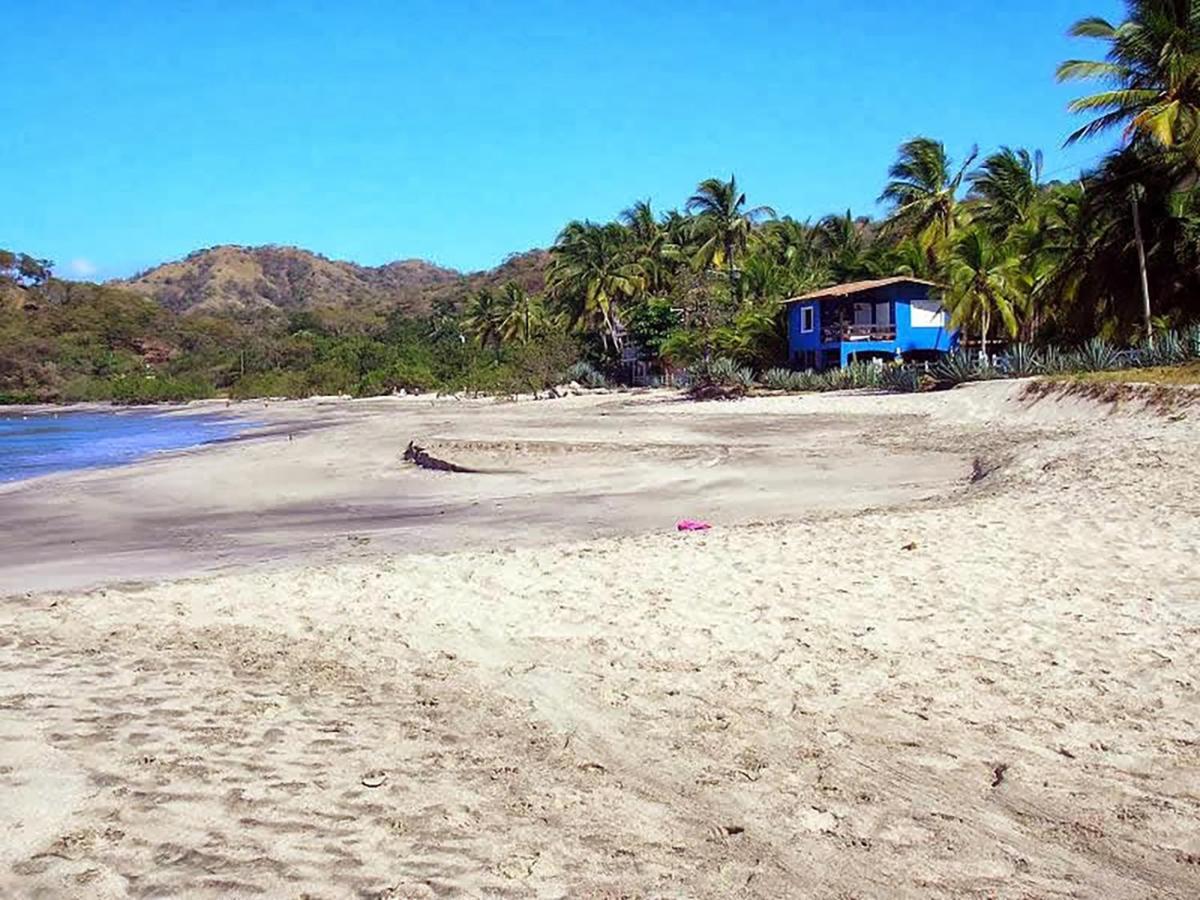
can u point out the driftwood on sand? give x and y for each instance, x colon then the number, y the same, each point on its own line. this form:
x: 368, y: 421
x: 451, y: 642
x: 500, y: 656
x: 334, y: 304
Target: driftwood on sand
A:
x: 420, y: 457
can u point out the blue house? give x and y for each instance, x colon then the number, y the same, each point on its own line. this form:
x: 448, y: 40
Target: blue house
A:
x: 888, y: 318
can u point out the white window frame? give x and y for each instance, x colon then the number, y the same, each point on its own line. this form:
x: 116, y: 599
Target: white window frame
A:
x: 812, y: 319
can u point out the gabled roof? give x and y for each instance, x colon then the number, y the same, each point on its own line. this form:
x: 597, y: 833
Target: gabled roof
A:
x: 857, y: 287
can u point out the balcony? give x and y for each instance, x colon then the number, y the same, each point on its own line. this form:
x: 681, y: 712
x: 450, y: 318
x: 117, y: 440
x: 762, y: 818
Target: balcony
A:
x: 836, y: 334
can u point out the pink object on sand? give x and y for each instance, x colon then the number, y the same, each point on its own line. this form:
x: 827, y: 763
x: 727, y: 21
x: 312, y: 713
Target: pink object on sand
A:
x: 692, y: 525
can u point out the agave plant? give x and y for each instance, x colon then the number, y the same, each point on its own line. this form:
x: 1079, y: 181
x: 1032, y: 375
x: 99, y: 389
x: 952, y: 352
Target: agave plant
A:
x: 1056, y: 361
x: 1166, y: 349
x: 722, y: 372
x: 1191, y: 342
x: 834, y: 380
x: 780, y: 379
x: 587, y: 375
x: 810, y: 380
x: 1098, y: 355
x: 956, y: 368
x: 863, y: 374
x: 1020, y: 361
x: 901, y: 378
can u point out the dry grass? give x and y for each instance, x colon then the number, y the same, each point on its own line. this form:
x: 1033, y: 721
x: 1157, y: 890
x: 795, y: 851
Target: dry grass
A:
x: 1166, y: 390
x: 1185, y: 374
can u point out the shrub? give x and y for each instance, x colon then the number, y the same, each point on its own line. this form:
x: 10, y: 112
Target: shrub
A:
x: 157, y: 389
x: 270, y: 384
x: 587, y: 375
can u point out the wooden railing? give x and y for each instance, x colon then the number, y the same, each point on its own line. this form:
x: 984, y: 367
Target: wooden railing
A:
x: 838, y: 333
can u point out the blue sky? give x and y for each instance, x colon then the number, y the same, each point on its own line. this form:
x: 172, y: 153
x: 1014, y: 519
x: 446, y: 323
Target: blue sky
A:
x: 459, y: 132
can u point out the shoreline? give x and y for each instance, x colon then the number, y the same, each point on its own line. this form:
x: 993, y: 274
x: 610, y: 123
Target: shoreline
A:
x: 248, y: 429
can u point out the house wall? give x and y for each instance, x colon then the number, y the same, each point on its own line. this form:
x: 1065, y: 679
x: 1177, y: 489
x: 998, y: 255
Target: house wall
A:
x: 909, y: 338
x: 800, y: 343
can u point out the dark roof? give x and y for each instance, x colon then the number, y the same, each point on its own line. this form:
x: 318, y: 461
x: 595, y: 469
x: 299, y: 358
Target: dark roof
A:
x: 858, y: 287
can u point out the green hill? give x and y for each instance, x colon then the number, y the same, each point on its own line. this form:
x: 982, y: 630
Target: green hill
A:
x: 241, y: 280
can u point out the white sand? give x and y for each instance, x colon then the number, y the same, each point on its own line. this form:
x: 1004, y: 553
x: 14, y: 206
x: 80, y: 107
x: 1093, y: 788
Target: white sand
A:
x: 873, y: 678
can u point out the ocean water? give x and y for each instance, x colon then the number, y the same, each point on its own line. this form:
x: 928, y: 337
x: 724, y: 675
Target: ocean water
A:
x: 32, y: 445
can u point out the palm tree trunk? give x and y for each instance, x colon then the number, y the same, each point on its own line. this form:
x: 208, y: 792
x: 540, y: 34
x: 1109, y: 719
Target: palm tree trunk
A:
x: 987, y: 321
x: 1141, y: 250
x: 732, y: 273
x: 612, y: 330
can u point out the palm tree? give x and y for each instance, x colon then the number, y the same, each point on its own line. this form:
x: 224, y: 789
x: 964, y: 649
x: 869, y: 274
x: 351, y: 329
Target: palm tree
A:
x: 657, y: 253
x: 640, y: 221
x: 1152, y: 69
x: 592, y: 272
x: 521, y: 314
x: 845, y: 246
x: 981, y: 283
x: 1005, y: 188
x: 723, y: 225
x: 1092, y: 240
x: 484, y: 318
x: 923, y: 192
x: 909, y: 257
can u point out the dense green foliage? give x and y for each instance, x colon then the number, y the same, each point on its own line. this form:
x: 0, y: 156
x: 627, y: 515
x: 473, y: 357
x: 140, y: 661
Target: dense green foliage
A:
x: 64, y: 341
x: 1019, y: 260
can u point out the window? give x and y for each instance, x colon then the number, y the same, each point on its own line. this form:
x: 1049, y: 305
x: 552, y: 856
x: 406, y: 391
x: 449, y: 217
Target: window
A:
x: 927, y: 314
x: 806, y: 319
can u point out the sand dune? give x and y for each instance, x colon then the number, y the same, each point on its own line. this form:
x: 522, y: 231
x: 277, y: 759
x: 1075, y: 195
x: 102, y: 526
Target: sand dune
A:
x: 936, y: 646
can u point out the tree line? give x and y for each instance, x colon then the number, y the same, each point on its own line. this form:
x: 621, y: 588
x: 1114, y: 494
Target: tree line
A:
x: 1114, y: 253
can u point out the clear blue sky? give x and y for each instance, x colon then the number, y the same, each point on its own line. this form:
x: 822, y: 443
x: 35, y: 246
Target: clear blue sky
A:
x: 135, y: 132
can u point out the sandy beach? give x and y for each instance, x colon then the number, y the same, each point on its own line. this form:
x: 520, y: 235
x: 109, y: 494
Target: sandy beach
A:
x: 935, y: 645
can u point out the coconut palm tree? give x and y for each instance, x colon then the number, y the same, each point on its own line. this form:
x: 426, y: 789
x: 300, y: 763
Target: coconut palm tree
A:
x: 1005, y: 188
x: 1152, y: 70
x: 722, y: 224
x: 1098, y: 245
x: 844, y: 244
x: 656, y: 252
x: 592, y: 272
x: 923, y: 190
x: 909, y: 257
x: 1152, y: 73
x: 981, y: 283
x: 522, y: 315
x: 483, y: 319
x: 640, y: 221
